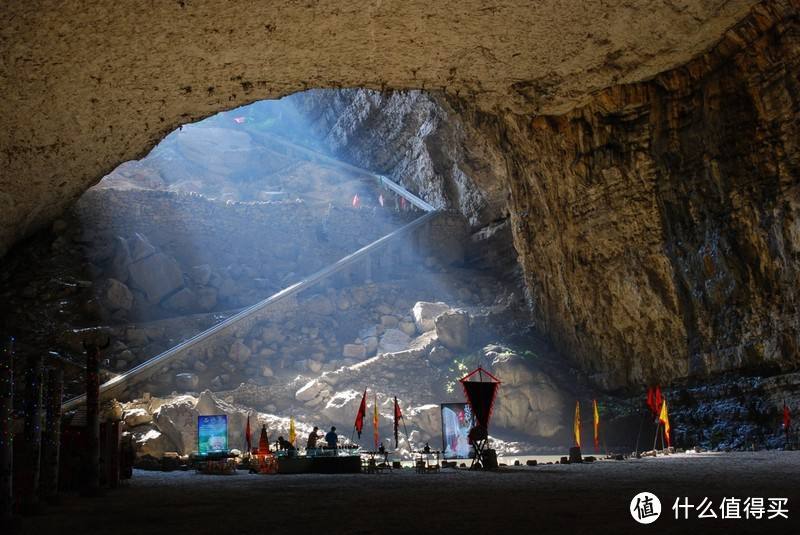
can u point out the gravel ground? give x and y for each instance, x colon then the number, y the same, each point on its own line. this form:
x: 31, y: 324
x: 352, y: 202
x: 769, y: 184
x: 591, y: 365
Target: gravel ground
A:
x: 588, y: 498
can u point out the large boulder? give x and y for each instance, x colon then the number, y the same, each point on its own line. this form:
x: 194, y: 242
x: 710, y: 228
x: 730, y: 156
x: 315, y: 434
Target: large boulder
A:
x: 150, y: 441
x: 201, y: 274
x: 528, y: 401
x: 184, y: 300
x: 140, y: 247
x: 428, y: 418
x: 393, y: 341
x: 156, y: 276
x: 136, y: 417
x: 341, y: 406
x: 452, y: 328
x: 177, y: 419
x: 425, y: 313
x: 114, y: 295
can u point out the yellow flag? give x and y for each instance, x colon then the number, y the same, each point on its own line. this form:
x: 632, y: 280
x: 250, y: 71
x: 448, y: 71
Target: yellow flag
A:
x: 292, y: 432
x: 576, y: 427
x: 664, y: 419
x: 596, y: 427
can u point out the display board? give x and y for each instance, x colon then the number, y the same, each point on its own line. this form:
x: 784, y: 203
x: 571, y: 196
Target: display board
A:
x: 456, y: 423
x: 212, y: 433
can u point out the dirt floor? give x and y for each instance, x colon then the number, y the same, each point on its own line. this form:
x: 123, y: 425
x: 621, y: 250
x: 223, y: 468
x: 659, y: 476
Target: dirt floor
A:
x: 588, y: 498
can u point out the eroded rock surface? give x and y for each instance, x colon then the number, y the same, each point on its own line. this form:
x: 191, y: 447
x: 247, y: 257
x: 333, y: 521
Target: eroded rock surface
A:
x: 88, y: 87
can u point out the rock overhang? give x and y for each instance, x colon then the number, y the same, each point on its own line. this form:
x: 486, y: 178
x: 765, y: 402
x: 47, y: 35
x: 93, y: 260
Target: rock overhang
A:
x: 88, y: 86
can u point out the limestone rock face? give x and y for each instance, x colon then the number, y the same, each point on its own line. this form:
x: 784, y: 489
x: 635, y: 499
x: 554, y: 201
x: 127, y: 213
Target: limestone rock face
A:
x: 659, y: 226
x: 544, y: 57
x: 529, y: 401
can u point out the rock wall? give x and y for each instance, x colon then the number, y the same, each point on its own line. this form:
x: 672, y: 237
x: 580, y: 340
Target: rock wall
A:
x: 659, y: 226
x: 89, y: 86
x: 417, y: 140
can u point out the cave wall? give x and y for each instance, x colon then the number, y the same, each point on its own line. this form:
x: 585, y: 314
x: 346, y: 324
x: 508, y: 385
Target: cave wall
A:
x: 87, y: 86
x: 416, y: 139
x: 659, y: 225
x: 656, y: 220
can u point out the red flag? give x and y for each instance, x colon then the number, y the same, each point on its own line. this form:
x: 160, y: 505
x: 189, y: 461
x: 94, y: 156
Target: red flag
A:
x: 375, y: 432
x: 651, y: 400
x: 658, y: 400
x: 397, y: 416
x: 787, y: 418
x: 247, y: 434
x: 362, y: 412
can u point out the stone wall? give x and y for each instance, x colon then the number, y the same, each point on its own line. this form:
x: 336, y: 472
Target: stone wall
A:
x: 659, y: 226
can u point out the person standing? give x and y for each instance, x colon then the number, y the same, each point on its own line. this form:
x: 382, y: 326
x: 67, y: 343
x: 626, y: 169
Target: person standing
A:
x: 312, y: 439
x: 332, y: 438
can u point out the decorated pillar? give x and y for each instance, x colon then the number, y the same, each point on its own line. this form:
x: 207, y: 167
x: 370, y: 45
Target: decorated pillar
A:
x: 51, y: 442
x: 6, y: 430
x: 32, y: 432
x: 92, y: 468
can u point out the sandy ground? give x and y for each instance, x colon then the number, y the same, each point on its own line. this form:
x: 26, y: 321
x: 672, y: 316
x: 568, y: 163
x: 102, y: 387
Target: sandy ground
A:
x: 588, y: 498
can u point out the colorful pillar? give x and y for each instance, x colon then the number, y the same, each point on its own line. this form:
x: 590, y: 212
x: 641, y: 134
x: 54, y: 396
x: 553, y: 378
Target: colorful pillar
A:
x: 51, y: 442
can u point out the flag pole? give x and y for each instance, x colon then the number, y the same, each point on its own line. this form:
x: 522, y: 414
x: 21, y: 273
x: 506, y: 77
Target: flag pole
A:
x: 655, y: 438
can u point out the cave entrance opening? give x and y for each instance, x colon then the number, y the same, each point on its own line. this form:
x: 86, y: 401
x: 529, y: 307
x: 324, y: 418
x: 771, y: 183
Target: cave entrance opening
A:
x: 205, y: 263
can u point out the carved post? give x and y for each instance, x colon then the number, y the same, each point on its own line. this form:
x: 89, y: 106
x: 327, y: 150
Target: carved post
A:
x: 92, y: 419
x: 33, y: 432
x: 6, y: 431
x: 51, y: 443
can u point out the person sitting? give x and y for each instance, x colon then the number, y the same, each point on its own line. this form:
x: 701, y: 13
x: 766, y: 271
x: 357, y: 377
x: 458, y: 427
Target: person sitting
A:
x: 312, y: 439
x: 332, y: 438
